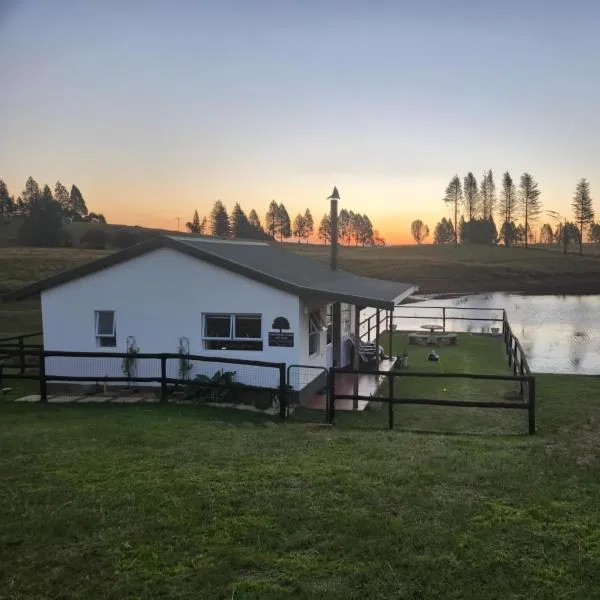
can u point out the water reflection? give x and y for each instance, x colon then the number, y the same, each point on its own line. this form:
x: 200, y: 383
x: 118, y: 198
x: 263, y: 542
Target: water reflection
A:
x: 560, y: 334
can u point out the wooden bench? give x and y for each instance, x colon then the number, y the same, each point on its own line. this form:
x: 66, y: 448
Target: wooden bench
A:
x: 417, y: 338
x: 448, y: 338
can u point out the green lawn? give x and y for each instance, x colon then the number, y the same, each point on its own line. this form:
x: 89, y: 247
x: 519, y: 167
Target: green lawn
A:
x: 179, y: 502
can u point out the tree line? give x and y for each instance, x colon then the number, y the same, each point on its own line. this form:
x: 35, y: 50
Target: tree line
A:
x: 353, y: 228
x: 475, y: 207
x: 44, y: 212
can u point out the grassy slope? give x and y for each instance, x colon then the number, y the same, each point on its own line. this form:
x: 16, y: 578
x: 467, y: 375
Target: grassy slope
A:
x: 181, y: 502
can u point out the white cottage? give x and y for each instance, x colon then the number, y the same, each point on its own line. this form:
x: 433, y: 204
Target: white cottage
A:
x: 236, y: 299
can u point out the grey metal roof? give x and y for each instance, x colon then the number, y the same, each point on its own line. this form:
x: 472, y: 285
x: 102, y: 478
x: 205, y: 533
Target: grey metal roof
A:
x: 268, y: 263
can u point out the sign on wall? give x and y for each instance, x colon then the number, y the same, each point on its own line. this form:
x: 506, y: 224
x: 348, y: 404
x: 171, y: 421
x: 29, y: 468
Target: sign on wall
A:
x: 281, y: 339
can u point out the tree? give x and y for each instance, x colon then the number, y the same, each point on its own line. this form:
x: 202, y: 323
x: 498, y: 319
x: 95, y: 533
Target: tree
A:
x: 95, y: 238
x: 6, y: 202
x: 284, y: 224
x: 61, y: 195
x: 582, y: 208
x: 194, y: 226
x: 238, y: 223
x: 508, y: 233
x: 529, y: 200
x: 488, y: 195
x: 78, y: 206
x: 367, y: 236
x: 309, y: 225
x: 471, y: 196
x: 344, y: 227
x: 324, y: 232
x: 478, y: 231
x: 419, y: 230
x: 43, y: 225
x: 253, y: 220
x: 299, y: 228
x: 444, y: 232
x: 508, y: 205
x: 31, y: 194
x: 219, y: 220
x: 595, y: 233
x: 453, y: 197
x: 377, y: 239
x: 546, y: 234
x: 272, y: 219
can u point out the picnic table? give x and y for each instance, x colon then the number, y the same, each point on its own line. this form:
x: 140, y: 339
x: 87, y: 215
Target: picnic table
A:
x: 432, y: 329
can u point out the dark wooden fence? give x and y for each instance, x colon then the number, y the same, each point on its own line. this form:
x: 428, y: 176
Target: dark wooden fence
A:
x: 163, y: 380
x: 390, y: 399
x: 17, y: 342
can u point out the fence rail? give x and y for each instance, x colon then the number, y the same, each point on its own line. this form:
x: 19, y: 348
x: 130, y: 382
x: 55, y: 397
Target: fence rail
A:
x: 391, y: 400
x: 159, y: 372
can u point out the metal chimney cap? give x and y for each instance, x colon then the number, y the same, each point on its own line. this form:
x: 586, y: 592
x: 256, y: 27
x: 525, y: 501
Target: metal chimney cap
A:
x: 334, y: 195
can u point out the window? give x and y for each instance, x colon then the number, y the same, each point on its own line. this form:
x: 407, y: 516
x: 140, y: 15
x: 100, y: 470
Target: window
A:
x: 106, y: 332
x: 232, y: 332
x: 315, y: 326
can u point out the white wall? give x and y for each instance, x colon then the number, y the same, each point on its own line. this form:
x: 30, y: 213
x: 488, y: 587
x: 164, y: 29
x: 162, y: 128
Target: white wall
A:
x: 158, y: 298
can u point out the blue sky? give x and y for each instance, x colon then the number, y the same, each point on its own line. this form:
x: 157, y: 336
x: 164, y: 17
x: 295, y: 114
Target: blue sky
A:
x: 156, y: 108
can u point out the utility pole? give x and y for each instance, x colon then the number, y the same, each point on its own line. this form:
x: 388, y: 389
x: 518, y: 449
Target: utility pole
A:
x: 178, y: 219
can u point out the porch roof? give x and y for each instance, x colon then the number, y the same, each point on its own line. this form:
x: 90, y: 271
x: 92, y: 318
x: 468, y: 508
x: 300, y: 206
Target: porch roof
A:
x: 268, y: 263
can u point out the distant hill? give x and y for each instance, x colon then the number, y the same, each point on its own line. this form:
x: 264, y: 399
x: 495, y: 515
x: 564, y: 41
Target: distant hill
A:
x: 9, y: 230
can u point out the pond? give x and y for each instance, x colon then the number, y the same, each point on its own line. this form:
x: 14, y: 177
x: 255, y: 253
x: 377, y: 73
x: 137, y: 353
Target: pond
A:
x: 559, y: 334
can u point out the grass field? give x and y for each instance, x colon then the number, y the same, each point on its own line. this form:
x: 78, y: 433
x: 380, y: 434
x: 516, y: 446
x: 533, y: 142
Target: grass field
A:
x: 179, y: 502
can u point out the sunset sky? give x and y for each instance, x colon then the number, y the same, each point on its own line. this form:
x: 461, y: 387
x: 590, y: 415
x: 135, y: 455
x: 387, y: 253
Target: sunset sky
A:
x: 155, y: 109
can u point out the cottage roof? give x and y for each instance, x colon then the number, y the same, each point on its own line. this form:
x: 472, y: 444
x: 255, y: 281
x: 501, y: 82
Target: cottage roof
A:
x: 265, y: 262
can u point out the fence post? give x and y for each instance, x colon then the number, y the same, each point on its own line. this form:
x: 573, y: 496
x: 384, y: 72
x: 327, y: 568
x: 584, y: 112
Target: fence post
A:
x: 531, y: 386
x: 391, y: 330
x: 377, y: 329
x: 282, y: 390
x: 21, y: 355
x: 390, y: 398
x: 43, y: 389
x: 331, y: 415
x: 515, y: 357
x: 163, y: 379
x: 444, y: 319
x: 521, y: 371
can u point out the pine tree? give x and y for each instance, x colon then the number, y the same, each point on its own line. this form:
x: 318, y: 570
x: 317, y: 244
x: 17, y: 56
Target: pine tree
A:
x: 203, y: 225
x: 582, y: 208
x: 6, y: 203
x: 194, y: 225
x: 530, y: 202
x: 471, y: 196
x: 272, y: 219
x: 31, y: 194
x: 299, y: 229
x: 324, y: 232
x: 309, y: 224
x: 444, y: 232
x: 488, y: 195
x: 78, y: 206
x: 61, y: 195
x: 219, y: 221
x: 454, y: 196
x: 284, y: 223
x: 43, y: 226
x: 508, y: 206
x: 254, y: 220
x: 238, y: 223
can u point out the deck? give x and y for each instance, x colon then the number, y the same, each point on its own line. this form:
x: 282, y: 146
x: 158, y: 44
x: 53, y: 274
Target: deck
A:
x: 344, y: 384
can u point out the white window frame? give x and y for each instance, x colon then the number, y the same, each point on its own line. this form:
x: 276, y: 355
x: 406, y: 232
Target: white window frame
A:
x: 100, y: 337
x: 232, y: 336
x: 316, y: 326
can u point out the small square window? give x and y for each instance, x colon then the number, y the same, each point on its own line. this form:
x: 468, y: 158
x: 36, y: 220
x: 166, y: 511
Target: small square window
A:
x: 217, y: 326
x: 248, y: 327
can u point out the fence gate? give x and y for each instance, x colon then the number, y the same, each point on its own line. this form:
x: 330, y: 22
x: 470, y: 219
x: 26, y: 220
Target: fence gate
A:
x: 308, y: 393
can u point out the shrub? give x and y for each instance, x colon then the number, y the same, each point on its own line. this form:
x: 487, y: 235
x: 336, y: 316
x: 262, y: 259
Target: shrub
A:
x: 94, y: 238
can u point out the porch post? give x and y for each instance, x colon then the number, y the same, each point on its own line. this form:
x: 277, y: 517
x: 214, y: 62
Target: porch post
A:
x: 377, y: 330
x: 356, y: 358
